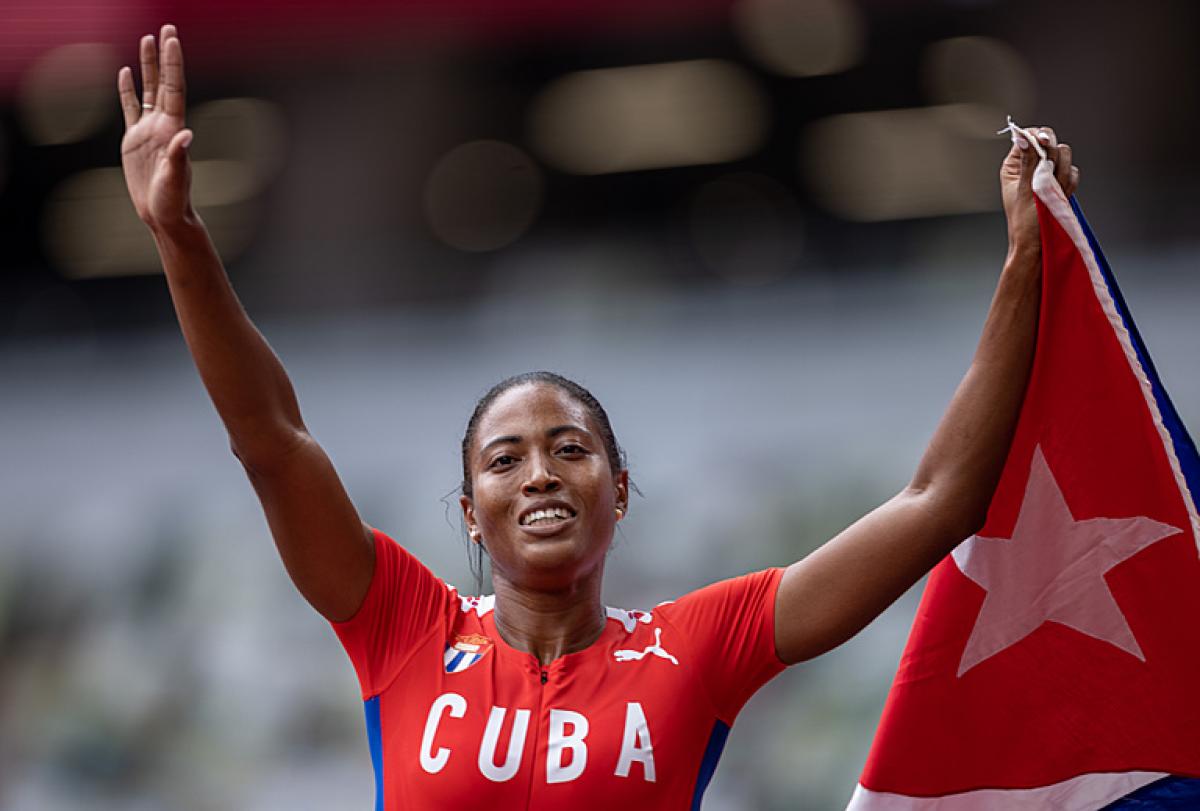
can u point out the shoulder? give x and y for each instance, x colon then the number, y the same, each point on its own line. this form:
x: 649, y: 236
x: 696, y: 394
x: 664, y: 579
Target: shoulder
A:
x: 481, y: 605
x: 629, y: 617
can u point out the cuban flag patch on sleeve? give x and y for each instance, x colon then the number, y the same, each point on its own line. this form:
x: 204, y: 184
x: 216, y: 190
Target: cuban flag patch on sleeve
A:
x: 465, y: 651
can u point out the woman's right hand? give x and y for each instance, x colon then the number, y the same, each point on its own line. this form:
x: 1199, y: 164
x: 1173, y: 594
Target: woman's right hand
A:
x: 154, y: 149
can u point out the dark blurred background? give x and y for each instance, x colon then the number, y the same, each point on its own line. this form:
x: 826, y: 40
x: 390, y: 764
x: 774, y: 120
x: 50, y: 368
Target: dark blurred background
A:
x: 763, y: 232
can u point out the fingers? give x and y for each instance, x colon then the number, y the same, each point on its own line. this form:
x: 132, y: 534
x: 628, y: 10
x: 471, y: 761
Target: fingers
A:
x: 1061, y: 155
x: 1062, y: 165
x: 1049, y: 141
x: 1046, y: 136
x: 129, y: 103
x: 148, y: 54
x: 1029, y: 146
x: 162, y: 76
x: 173, y: 91
x: 1029, y: 161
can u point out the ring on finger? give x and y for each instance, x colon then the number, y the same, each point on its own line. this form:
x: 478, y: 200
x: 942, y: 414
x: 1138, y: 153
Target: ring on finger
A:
x: 146, y: 106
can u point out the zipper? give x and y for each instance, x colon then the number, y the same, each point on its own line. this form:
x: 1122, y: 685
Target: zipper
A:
x: 543, y: 677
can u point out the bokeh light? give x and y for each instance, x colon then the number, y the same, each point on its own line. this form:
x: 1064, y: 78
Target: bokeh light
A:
x: 899, y: 164
x: 482, y: 195
x: 801, y: 37
x: 649, y: 116
x: 90, y: 228
x: 249, y: 132
x: 984, y: 77
x: 68, y: 95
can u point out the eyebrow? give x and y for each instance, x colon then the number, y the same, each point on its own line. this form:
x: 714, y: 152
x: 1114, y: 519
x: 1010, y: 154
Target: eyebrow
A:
x: 550, y: 433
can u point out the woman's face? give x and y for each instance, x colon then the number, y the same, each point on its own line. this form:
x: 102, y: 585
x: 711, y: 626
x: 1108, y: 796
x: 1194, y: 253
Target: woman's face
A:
x: 544, y: 497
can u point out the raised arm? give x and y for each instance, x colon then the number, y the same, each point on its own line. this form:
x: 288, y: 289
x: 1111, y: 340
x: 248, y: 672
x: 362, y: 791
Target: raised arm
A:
x: 830, y: 595
x: 325, y: 546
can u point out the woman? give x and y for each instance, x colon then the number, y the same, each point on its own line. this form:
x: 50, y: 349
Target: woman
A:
x: 539, y: 696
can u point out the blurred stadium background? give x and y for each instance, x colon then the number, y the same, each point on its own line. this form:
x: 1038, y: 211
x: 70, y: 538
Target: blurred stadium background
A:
x: 764, y: 233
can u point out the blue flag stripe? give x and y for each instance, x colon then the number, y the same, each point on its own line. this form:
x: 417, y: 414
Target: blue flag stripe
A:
x: 1168, y: 793
x: 1185, y: 448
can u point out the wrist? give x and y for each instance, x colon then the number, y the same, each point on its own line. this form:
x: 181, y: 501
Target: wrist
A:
x: 187, y: 227
x: 1024, y: 250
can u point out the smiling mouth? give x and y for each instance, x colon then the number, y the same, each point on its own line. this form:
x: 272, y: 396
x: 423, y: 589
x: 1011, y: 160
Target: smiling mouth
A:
x: 547, y: 518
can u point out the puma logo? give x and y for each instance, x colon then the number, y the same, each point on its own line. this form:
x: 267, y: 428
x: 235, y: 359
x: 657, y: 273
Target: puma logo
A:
x: 656, y: 649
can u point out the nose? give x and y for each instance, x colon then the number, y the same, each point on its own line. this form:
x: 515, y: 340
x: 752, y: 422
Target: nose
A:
x: 541, y: 478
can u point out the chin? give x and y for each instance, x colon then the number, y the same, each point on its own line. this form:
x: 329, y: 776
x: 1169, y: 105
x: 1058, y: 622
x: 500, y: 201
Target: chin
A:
x: 554, y: 563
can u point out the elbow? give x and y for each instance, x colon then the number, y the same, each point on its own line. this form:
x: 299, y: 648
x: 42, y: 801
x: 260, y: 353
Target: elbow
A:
x: 261, y: 452
x: 241, y: 455
x: 957, y: 516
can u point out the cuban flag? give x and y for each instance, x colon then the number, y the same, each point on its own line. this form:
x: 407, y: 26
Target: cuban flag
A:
x: 1054, y: 662
x: 465, y: 651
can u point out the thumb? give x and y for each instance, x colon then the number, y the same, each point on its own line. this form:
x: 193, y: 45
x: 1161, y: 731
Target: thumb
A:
x: 177, y: 152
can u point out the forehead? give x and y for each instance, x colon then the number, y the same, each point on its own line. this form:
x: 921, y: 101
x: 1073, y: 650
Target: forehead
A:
x: 531, y: 409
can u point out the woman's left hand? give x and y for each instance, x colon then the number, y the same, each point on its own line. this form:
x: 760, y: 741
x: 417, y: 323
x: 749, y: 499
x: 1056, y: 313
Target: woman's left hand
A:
x: 827, y: 597
x: 1016, y: 185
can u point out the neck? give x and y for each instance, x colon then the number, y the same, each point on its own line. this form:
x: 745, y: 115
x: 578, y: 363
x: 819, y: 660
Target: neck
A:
x: 549, y: 624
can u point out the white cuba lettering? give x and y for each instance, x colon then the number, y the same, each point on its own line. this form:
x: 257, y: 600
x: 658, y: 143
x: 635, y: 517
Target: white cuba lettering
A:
x: 559, y: 743
x: 516, y: 745
x: 431, y: 761
x: 566, y: 745
x: 636, y: 746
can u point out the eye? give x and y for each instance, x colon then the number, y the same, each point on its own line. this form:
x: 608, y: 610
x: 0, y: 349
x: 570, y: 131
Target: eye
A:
x: 501, y: 461
x: 572, y: 449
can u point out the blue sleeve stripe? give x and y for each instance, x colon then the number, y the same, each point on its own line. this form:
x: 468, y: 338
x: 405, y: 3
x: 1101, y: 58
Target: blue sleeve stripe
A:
x: 1169, y: 793
x: 712, y: 754
x: 375, y: 741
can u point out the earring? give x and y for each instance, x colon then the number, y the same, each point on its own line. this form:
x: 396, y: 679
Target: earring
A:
x: 474, y: 533
x: 620, y: 513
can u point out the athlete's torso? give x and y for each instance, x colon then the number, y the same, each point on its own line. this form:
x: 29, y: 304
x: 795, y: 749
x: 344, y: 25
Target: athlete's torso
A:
x: 460, y: 718
x: 612, y: 721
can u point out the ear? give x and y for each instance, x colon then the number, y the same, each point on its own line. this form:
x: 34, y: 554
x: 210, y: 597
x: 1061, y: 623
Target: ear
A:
x: 621, y: 482
x: 468, y: 508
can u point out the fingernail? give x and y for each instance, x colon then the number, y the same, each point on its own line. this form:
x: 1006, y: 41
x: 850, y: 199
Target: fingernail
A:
x: 187, y: 140
x: 1044, y: 136
x: 1021, y: 142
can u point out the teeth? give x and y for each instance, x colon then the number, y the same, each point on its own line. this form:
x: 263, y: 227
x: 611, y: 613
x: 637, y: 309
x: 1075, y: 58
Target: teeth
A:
x: 552, y: 514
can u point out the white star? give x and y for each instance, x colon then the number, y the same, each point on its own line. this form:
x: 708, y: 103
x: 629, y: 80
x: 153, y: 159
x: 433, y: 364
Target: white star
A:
x: 1052, y: 570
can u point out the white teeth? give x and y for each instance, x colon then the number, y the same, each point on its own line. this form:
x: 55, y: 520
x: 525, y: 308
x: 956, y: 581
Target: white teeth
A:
x: 552, y: 514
